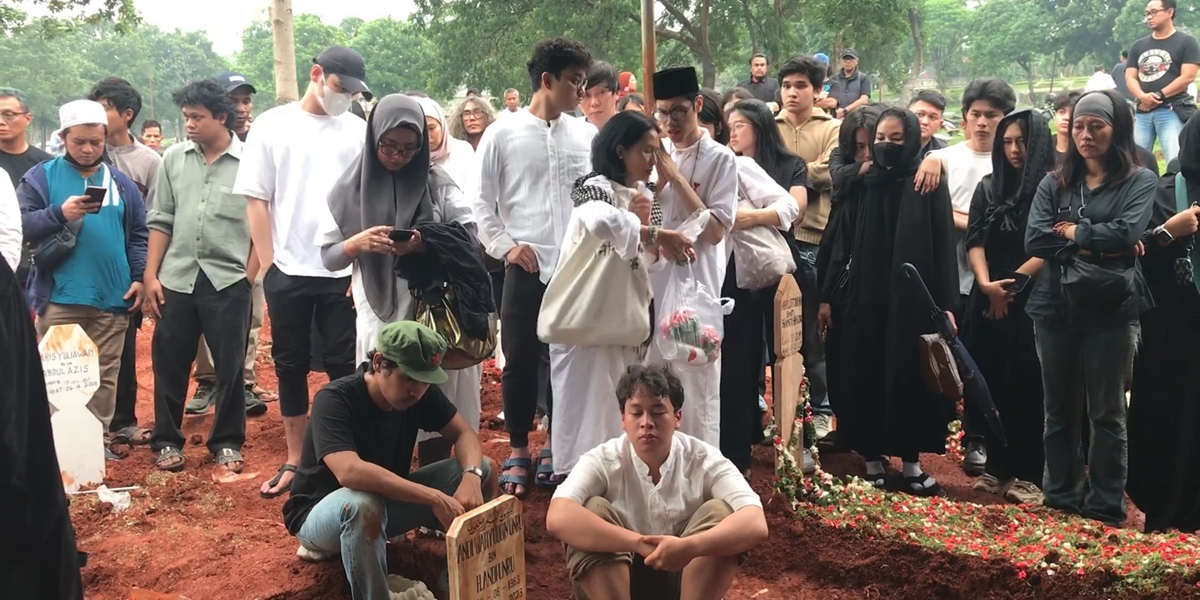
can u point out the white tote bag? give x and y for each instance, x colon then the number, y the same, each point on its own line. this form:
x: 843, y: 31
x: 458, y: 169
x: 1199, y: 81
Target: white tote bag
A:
x: 760, y: 255
x: 595, y: 298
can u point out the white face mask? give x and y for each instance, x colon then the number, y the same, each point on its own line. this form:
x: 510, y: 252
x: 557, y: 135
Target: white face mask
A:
x: 335, y: 104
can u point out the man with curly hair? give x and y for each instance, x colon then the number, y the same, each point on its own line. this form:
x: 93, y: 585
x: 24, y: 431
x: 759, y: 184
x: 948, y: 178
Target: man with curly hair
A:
x: 529, y: 163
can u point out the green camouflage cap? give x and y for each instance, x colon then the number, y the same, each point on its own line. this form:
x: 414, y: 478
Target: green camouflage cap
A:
x: 416, y: 348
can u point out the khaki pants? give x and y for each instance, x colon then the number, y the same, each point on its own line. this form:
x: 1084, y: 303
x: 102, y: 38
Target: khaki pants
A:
x: 644, y: 583
x: 107, y: 331
x: 204, y: 369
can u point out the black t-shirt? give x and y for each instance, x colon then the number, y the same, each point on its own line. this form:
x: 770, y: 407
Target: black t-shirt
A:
x: 16, y: 165
x: 345, y: 418
x: 1159, y: 62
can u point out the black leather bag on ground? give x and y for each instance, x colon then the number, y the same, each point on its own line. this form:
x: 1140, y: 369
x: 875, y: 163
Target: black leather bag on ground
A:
x: 58, y: 248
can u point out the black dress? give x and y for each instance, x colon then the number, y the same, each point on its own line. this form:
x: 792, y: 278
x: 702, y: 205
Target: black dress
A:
x: 889, y: 410
x: 38, y: 560
x: 1004, y: 349
x: 749, y: 331
x: 1164, y: 408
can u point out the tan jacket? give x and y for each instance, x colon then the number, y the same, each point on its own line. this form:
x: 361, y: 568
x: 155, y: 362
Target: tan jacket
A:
x: 813, y: 141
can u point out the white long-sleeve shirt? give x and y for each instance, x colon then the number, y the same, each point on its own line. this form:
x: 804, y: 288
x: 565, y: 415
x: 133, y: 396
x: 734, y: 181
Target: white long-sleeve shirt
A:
x: 11, y: 236
x: 755, y: 185
x: 527, y: 169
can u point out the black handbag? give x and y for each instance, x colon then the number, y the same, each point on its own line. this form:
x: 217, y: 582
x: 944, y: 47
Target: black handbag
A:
x: 1097, y: 283
x: 50, y: 254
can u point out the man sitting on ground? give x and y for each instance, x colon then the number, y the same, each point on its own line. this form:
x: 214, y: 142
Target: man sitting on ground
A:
x: 654, y: 514
x: 353, y: 490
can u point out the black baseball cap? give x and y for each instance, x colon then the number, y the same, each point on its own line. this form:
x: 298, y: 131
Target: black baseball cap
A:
x: 348, y: 65
x: 230, y: 81
x: 849, y: 52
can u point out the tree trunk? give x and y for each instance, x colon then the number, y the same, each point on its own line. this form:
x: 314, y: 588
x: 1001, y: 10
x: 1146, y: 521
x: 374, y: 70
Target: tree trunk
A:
x: 284, y: 39
x: 1053, y: 70
x: 709, y: 65
x: 914, y: 27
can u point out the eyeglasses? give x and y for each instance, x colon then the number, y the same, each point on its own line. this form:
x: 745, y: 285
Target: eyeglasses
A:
x: 676, y: 114
x: 10, y: 116
x: 472, y: 114
x: 1153, y: 12
x: 394, y: 151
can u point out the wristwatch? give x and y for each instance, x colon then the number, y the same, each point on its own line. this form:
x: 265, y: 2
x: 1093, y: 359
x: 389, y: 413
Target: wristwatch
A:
x: 1162, y: 236
x: 474, y: 471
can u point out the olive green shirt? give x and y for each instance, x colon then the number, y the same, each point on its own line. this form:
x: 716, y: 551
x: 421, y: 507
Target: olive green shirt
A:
x: 196, y: 206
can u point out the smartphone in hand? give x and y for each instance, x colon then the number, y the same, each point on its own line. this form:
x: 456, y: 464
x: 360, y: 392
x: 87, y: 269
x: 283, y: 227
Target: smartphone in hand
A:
x: 401, y: 235
x: 1020, y: 281
x: 96, y: 197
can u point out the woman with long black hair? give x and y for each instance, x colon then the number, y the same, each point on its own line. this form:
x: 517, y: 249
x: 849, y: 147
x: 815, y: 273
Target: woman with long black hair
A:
x: 849, y: 166
x: 889, y: 411
x: 747, y: 334
x: 996, y: 329
x: 1164, y: 405
x: 1085, y: 222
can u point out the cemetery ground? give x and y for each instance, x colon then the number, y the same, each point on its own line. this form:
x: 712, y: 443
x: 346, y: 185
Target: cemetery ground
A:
x: 187, y: 536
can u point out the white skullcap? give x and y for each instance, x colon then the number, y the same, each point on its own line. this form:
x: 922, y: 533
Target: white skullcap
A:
x: 82, y: 112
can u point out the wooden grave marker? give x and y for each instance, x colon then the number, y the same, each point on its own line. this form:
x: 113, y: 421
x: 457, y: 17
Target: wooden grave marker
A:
x: 788, y: 370
x: 71, y: 365
x: 485, y: 549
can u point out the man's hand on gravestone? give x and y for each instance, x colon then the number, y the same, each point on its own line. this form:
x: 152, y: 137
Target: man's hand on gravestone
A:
x: 470, y: 492
x: 445, y: 508
x: 670, y: 553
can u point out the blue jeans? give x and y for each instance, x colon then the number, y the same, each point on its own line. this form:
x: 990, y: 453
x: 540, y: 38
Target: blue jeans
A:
x: 357, y: 525
x: 813, y: 348
x: 1086, y: 371
x: 1161, y: 123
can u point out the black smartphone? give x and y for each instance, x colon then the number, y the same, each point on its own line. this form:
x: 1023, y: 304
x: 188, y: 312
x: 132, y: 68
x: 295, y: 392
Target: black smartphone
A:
x: 1019, y: 284
x: 95, y: 197
x: 401, y: 235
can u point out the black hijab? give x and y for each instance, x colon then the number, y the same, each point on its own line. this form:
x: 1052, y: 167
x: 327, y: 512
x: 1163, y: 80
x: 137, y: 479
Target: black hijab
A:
x: 1039, y: 160
x: 1189, y: 158
x: 907, y: 163
x: 897, y: 224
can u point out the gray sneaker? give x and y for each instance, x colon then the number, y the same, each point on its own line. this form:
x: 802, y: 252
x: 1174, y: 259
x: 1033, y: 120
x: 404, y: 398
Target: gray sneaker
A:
x: 254, y: 406
x: 1024, y: 492
x: 810, y: 464
x: 823, y: 424
x: 200, y: 402
x: 975, y: 459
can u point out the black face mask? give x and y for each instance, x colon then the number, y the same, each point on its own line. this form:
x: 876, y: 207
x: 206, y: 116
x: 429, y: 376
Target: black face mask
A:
x: 888, y: 154
x: 71, y: 159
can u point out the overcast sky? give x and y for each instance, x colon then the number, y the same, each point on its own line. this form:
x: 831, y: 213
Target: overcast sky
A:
x: 224, y: 20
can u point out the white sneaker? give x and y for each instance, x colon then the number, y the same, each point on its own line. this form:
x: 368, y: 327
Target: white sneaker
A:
x: 823, y: 425
x: 312, y: 556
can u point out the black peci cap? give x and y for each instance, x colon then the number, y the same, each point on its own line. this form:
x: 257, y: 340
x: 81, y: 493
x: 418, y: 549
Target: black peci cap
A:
x: 675, y: 82
x: 348, y: 65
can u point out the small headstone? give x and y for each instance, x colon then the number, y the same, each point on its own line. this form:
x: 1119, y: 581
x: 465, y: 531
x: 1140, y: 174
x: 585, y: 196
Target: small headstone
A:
x: 486, y: 552
x: 71, y: 364
x: 788, y: 371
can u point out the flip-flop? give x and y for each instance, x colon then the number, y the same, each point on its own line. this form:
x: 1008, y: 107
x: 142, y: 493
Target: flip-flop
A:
x: 515, y: 480
x: 263, y: 394
x: 166, y: 454
x: 224, y: 456
x: 131, y: 436
x: 274, y: 481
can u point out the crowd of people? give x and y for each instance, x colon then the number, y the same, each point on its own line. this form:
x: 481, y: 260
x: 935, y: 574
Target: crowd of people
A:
x: 392, y: 246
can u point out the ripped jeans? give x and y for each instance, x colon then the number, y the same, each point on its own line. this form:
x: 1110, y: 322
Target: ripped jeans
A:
x: 357, y: 525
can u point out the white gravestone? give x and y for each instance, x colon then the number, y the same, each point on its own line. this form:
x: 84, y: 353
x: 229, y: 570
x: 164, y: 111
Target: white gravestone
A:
x: 71, y: 364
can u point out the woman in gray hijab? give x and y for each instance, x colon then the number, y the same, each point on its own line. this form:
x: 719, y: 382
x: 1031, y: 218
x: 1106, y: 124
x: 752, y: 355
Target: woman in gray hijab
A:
x: 392, y: 187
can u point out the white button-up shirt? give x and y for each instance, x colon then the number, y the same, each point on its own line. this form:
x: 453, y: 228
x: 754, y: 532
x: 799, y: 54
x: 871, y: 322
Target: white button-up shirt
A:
x: 694, y: 473
x: 527, y: 169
